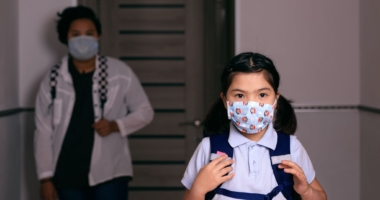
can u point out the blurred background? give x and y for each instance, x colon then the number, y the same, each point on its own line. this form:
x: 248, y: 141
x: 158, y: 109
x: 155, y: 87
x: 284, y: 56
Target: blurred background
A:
x: 327, y: 52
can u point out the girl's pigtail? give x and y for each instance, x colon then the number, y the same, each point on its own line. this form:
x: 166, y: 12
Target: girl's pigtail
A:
x: 216, y: 119
x: 285, y: 118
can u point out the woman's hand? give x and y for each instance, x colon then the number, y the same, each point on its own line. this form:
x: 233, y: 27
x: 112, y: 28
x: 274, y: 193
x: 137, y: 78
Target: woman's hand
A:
x: 307, y: 191
x: 210, y: 176
x: 47, y: 191
x: 105, y: 127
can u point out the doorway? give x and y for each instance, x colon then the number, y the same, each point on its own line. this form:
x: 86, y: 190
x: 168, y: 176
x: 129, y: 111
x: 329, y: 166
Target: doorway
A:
x: 177, y: 48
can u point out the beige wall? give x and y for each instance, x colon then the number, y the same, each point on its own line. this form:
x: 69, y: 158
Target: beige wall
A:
x: 370, y: 97
x: 316, y: 48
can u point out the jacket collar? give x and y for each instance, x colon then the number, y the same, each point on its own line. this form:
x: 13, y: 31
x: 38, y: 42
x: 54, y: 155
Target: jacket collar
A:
x: 64, y: 69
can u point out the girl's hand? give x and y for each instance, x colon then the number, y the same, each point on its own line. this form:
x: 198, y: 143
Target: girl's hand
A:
x: 301, y: 186
x: 212, y: 175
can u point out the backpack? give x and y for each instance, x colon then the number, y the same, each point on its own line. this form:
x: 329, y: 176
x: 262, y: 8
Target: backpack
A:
x: 219, y: 142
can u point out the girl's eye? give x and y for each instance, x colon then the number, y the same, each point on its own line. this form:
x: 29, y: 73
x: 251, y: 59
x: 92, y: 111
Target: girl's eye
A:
x: 239, y: 95
x: 262, y: 95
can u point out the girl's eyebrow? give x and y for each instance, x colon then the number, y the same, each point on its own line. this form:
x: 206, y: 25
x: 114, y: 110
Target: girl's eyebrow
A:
x: 262, y: 89
x: 258, y: 90
x: 237, y: 90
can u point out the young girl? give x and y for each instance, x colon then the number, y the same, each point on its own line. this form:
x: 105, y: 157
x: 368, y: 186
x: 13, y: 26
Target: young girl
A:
x: 251, y: 153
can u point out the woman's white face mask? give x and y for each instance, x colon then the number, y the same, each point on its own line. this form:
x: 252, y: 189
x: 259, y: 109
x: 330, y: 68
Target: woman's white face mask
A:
x: 83, y: 47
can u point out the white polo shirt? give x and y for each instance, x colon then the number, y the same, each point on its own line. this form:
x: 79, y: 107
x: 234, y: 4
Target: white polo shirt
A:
x: 252, y: 166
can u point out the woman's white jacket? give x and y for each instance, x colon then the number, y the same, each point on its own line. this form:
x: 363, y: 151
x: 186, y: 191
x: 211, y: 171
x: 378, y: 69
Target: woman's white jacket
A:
x: 127, y: 104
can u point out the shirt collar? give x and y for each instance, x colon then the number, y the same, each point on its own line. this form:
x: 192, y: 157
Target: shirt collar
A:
x: 268, y: 140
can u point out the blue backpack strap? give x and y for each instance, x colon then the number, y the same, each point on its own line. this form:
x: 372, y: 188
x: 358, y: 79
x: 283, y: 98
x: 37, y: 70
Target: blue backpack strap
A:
x: 284, y: 180
x: 218, y: 142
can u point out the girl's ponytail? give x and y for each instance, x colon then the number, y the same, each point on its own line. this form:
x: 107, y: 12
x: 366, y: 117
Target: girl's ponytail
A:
x: 216, y: 119
x: 285, y: 118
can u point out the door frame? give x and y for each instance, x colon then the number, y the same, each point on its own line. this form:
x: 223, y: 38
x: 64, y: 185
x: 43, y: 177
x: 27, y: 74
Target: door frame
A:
x: 218, y: 46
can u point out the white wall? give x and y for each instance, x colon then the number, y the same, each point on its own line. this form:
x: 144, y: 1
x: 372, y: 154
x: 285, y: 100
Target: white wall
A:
x: 39, y: 50
x: 316, y: 48
x: 10, y: 160
x: 38, y: 43
x: 8, y: 54
x: 369, y: 52
x: 9, y: 124
x: 370, y: 96
x: 314, y: 44
x: 332, y: 141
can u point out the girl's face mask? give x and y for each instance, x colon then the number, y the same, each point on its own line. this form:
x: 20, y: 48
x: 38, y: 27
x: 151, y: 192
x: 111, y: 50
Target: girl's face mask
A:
x: 249, y: 116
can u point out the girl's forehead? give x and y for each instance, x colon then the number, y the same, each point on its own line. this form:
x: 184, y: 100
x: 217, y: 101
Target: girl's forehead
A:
x: 250, y: 81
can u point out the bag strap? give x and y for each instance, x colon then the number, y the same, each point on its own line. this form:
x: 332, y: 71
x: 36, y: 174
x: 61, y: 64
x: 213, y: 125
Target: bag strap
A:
x: 284, y: 180
x: 103, y: 83
x: 219, y: 142
x: 53, y: 81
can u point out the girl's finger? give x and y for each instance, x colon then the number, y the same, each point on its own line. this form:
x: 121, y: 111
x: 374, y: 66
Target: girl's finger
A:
x: 291, y: 164
x: 292, y: 171
x: 217, y: 160
x: 281, y: 166
x: 228, y: 177
x: 299, y: 175
x: 224, y: 171
x: 224, y: 163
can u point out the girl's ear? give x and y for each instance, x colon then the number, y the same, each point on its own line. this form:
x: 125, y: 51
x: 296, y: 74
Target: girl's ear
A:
x: 224, y: 100
x: 278, y: 95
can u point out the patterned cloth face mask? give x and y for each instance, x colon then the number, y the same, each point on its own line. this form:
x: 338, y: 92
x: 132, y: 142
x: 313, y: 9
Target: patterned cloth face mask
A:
x: 250, y: 117
x: 83, y: 47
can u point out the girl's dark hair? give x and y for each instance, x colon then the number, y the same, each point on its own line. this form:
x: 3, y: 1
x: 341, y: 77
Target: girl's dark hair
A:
x: 284, y: 120
x: 71, y: 14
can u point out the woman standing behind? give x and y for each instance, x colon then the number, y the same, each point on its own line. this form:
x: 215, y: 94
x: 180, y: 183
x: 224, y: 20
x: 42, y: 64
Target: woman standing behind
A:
x: 86, y: 107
